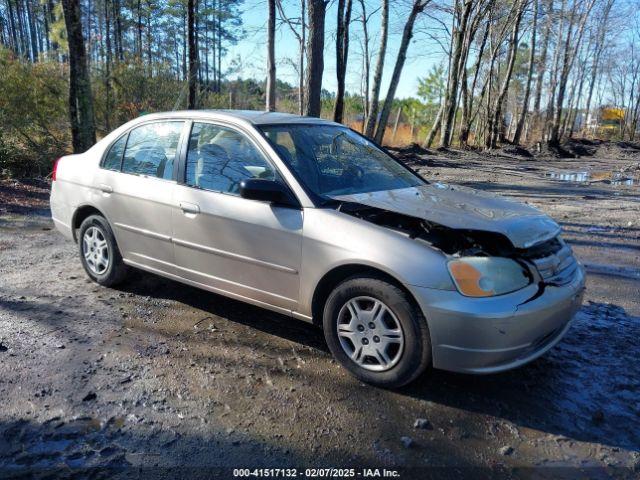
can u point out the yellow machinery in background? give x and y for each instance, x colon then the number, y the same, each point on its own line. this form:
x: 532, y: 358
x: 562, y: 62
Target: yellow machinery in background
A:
x: 610, y: 119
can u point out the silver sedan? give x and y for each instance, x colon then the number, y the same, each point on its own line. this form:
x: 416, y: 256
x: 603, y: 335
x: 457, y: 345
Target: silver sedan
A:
x: 308, y: 218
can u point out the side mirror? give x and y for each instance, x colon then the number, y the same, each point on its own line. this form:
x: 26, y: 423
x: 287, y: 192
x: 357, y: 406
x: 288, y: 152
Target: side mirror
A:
x: 267, y: 191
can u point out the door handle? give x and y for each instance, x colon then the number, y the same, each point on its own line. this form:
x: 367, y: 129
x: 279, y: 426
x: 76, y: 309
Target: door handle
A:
x: 187, y: 207
x: 105, y: 188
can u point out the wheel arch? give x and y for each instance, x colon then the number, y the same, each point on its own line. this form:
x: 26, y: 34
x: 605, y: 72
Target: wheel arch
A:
x: 80, y: 214
x: 338, y: 274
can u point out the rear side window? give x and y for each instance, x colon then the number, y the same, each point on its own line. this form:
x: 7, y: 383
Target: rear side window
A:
x: 113, y: 160
x: 219, y: 159
x: 151, y: 149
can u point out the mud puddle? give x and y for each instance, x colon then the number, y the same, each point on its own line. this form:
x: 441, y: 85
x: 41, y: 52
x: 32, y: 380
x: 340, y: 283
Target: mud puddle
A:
x: 588, y: 176
x: 59, y: 445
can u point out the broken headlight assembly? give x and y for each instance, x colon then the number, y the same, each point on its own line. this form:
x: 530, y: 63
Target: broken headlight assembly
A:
x: 488, y: 276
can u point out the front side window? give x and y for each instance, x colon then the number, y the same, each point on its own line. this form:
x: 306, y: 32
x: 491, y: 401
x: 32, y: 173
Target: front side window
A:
x: 151, y: 149
x: 332, y: 160
x: 219, y: 158
x: 113, y: 160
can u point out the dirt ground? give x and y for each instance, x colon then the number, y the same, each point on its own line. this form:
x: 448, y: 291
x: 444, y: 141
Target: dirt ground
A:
x: 156, y: 378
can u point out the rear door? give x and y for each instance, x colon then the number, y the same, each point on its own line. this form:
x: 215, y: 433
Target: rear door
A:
x: 136, y: 183
x: 247, y: 248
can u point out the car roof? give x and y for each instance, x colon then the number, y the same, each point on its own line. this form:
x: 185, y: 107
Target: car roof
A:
x: 254, y: 117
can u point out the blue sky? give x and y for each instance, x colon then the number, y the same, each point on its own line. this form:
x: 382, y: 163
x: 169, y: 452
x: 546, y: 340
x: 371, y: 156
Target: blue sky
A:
x: 251, y: 50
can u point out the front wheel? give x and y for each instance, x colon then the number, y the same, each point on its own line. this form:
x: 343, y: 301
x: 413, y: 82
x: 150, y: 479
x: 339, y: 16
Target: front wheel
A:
x: 375, y: 330
x: 99, y: 252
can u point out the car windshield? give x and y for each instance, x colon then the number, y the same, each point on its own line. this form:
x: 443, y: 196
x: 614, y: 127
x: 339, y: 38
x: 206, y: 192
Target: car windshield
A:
x: 332, y: 160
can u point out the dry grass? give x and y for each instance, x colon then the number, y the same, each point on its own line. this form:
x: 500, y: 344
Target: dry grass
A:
x: 401, y: 138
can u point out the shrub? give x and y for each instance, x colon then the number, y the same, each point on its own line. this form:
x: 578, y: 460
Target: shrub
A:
x: 34, y: 121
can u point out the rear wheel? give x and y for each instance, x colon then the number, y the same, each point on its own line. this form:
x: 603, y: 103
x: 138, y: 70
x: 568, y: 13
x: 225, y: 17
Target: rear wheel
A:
x: 375, y: 330
x: 99, y: 252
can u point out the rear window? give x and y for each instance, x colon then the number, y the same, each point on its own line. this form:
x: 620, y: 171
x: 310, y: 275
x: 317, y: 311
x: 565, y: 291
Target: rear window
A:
x: 113, y: 160
x: 151, y: 149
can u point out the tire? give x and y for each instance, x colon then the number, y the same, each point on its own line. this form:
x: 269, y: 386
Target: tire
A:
x: 99, y: 233
x: 408, y: 357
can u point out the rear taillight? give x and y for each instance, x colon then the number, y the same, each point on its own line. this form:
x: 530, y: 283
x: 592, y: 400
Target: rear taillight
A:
x: 55, y: 170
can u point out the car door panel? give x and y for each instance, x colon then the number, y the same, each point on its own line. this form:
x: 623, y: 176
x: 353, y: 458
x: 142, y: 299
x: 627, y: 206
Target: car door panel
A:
x: 139, y: 210
x: 249, y: 248
x: 137, y: 195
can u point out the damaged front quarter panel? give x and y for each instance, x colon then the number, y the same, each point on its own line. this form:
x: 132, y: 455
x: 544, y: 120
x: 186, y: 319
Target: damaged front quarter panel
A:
x: 461, y: 242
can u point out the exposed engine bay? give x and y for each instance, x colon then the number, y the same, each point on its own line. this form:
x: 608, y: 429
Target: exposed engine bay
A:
x: 552, y: 258
x: 451, y: 241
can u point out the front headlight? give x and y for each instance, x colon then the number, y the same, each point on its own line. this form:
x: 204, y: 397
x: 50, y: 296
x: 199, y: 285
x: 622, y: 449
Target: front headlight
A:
x: 487, y: 276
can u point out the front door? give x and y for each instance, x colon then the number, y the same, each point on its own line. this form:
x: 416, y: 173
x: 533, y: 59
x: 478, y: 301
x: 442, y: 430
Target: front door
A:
x: 247, y: 248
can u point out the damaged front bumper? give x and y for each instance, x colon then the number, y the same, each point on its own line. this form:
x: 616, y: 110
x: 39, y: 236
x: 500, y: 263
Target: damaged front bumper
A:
x: 488, y: 335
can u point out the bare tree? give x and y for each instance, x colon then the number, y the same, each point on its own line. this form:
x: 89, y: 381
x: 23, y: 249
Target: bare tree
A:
x: 600, y: 44
x: 527, y: 88
x: 342, y: 53
x: 366, y: 62
x: 467, y: 93
x: 315, y: 57
x: 193, y: 54
x: 496, y: 124
x: 542, y: 62
x: 293, y: 23
x: 83, y: 131
x: 572, y: 42
x: 271, y: 57
x: 462, y: 13
x: 417, y: 8
x: 372, y: 116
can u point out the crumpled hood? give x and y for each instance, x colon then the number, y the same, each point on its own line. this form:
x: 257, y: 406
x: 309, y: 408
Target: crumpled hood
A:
x: 466, y: 209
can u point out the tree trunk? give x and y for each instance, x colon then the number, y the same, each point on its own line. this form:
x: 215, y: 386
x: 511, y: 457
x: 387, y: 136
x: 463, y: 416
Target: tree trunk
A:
x: 107, y: 70
x: 118, y: 33
x: 32, y: 31
x: 219, y: 68
x: 497, y: 124
x: 139, y: 30
x: 13, y: 33
x: 303, y: 32
x: 271, y: 57
x: 3, y: 36
x: 83, y: 130
x: 466, y: 99
x: 527, y: 89
x: 342, y: 53
x: 435, y: 128
x: 542, y: 62
x: 185, y: 74
x: 574, y: 104
x: 149, y: 40
x: 467, y: 106
x: 366, y: 64
x: 24, y: 47
x: 315, y: 58
x: 553, y: 74
x: 451, y: 93
x: 599, y: 48
x: 567, y: 64
x: 372, y: 117
x: 193, y: 55
x: 407, y: 33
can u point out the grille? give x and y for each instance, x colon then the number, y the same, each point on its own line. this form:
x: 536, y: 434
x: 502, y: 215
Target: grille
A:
x: 555, y: 263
